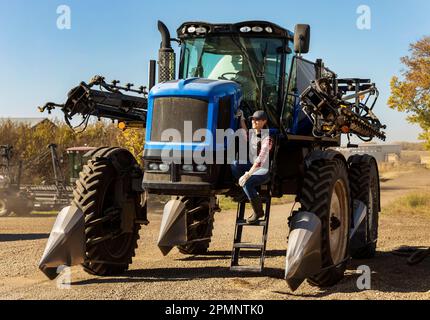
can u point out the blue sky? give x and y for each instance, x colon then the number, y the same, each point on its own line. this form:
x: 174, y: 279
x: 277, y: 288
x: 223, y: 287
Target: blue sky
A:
x: 39, y: 62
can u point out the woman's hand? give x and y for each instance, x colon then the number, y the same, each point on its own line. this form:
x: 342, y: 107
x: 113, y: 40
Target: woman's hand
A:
x: 244, y: 179
x: 239, y: 114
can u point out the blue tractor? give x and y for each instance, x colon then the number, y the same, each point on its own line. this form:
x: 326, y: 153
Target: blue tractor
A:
x: 252, y: 65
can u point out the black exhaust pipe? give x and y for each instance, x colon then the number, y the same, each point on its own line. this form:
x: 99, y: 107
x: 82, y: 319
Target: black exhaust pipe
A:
x: 166, y: 56
x: 165, y: 35
x: 152, y: 71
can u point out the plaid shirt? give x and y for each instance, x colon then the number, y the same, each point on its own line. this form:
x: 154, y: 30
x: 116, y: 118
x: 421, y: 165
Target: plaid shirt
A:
x: 262, y: 158
x: 266, y: 147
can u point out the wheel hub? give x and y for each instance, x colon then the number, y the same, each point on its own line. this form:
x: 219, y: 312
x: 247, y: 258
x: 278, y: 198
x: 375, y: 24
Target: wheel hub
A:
x: 334, y: 223
x: 338, y: 231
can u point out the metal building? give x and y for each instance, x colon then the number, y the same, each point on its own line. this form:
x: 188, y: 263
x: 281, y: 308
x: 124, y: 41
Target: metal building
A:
x: 381, y: 152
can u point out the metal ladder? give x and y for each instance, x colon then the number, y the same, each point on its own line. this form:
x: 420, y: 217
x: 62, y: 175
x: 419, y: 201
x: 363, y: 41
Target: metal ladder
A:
x: 241, y: 223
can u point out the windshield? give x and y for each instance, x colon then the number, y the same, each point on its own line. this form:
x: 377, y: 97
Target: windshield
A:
x: 255, y: 63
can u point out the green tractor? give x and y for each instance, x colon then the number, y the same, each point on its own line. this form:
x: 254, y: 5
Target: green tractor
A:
x: 250, y: 65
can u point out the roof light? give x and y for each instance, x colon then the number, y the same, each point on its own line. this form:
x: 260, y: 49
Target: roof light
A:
x: 245, y: 29
x: 191, y: 29
x: 257, y: 29
x: 201, y: 30
x: 269, y: 30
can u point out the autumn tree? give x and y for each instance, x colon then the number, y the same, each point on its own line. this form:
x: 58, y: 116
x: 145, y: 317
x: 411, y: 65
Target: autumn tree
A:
x: 411, y: 94
x: 30, y: 143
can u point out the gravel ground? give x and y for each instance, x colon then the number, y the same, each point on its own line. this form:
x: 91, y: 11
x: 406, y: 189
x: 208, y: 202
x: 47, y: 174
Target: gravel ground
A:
x: 176, y: 276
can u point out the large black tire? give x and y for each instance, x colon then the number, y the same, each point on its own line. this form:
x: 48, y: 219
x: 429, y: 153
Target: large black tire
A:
x: 364, y: 184
x: 104, y: 179
x: 23, y: 206
x: 326, y: 183
x: 4, y: 211
x: 200, y: 222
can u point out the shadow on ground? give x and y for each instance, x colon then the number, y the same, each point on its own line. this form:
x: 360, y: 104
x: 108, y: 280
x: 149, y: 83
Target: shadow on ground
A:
x: 390, y: 274
x: 23, y: 237
x: 179, y: 274
x: 224, y: 255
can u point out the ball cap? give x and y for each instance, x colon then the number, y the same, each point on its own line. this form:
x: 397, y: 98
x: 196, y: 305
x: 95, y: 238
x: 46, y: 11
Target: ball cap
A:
x: 259, y: 115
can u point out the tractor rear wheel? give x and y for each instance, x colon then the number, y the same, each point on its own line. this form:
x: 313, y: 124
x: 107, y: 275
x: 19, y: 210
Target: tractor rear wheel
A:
x: 200, y: 222
x: 4, y: 211
x: 364, y: 183
x: 325, y: 192
x: 104, y: 194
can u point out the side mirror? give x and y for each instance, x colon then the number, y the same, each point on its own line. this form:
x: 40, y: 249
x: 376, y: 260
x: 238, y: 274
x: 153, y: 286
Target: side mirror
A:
x: 302, y: 38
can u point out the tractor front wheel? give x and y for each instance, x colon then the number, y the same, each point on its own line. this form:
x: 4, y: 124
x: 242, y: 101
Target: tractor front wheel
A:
x: 325, y: 192
x: 104, y: 194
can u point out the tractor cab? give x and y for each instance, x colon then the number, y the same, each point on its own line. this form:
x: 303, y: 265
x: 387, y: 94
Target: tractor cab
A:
x: 255, y: 54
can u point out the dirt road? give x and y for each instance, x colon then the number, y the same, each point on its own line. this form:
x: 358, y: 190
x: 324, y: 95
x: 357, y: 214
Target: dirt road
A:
x: 176, y: 276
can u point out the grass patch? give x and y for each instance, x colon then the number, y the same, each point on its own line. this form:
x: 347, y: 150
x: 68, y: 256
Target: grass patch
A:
x: 227, y: 203
x: 45, y: 212
x: 417, y: 202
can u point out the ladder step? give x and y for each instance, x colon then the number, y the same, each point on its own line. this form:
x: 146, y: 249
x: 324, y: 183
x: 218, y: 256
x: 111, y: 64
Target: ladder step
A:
x: 254, y: 248
x: 242, y: 245
x: 261, y: 223
x: 246, y: 269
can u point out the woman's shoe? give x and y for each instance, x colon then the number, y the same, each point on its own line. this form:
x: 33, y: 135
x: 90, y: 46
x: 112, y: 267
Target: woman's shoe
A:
x: 257, y: 207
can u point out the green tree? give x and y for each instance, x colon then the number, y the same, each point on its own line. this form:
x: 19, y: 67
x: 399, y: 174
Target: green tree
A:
x: 411, y: 94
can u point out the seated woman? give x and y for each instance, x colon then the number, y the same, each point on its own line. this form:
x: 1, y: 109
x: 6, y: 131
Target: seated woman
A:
x: 256, y: 171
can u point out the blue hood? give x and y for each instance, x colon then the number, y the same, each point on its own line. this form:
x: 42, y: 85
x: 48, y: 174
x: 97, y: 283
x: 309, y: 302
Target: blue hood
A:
x: 196, y: 87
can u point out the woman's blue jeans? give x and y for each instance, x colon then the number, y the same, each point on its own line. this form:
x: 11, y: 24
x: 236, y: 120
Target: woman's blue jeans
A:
x: 261, y: 176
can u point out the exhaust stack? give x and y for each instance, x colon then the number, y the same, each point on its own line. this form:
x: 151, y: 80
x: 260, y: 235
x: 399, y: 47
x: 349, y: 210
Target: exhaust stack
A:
x: 66, y: 243
x: 166, y: 56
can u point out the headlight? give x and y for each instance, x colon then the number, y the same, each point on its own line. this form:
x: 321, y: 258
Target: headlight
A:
x: 188, y: 167
x: 201, y: 168
x: 154, y: 166
x: 245, y: 29
x: 164, y: 167
x: 269, y: 30
x: 191, y: 29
